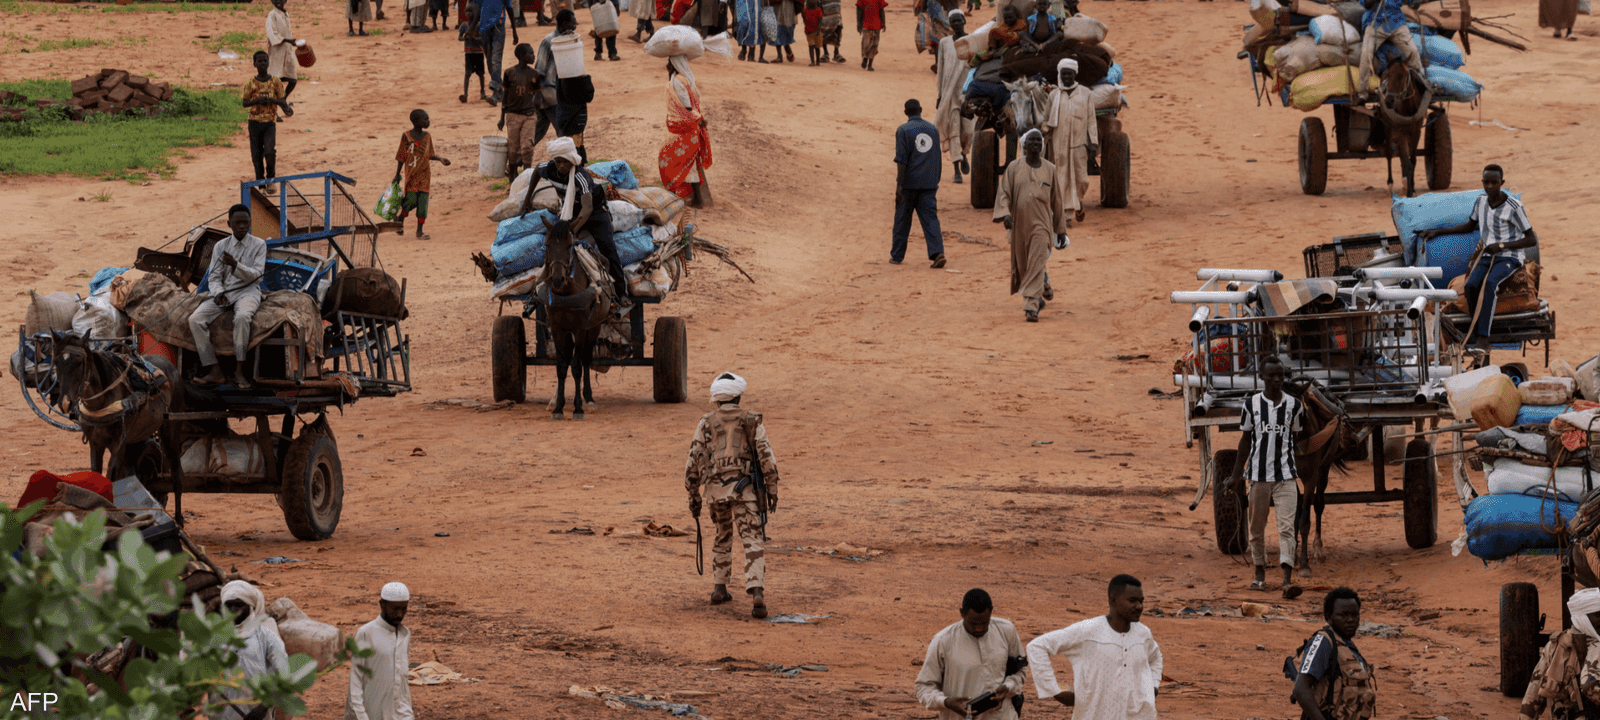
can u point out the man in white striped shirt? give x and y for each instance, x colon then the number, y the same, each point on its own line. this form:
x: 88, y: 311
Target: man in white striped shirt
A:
x: 1273, y: 424
x: 1505, y: 231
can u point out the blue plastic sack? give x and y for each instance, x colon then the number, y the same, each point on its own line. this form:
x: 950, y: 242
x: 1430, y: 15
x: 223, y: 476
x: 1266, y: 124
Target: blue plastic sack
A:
x: 519, y: 243
x: 968, y: 82
x: 1539, y: 414
x: 1439, y: 51
x: 1450, y: 84
x: 617, y: 173
x: 1114, y: 75
x: 103, y: 278
x: 1499, y: 526
x: 634, y: 245
x: 1431, y: 212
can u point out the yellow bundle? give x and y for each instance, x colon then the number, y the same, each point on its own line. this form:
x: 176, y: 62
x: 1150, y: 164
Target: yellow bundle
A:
x: 1310, y: 90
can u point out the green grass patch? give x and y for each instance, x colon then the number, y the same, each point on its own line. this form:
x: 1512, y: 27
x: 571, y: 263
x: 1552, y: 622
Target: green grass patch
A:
x: 70, y: 44
x: 244, y: 43
x: 377, y: 31
x: 25, y: 7
x: 47, y: 142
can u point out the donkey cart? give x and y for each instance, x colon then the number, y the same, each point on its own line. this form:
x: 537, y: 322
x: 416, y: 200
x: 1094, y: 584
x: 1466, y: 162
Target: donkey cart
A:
x: 1360, y: 132
x: 988, y: 163
x: 1364, y: 356
x: 509, y: 358
x: 328, y: 332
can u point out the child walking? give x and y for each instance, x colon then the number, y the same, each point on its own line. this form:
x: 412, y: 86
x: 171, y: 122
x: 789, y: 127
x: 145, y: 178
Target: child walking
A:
x: 264, y: 95
x: 472, y: 48
x: 813, y: 23
x: 416, y: 150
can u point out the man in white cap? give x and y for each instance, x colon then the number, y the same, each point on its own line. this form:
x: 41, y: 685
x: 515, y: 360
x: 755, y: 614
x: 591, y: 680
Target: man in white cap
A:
x: 1567, y: 679
x: 1074, y: 136
x: 378, y: 683
x: 722, y: 458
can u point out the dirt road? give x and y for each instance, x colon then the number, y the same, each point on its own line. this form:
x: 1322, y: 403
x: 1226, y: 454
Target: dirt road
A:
x: 912, y: 409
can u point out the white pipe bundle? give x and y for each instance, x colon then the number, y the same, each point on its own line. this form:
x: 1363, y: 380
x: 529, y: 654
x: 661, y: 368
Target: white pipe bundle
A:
x: 1417, y: 306
x: 1399, y: 273
x: 1212, y: 296
x: 1259, y: 276
x: 1401, y: 295
x: 1201, y: 314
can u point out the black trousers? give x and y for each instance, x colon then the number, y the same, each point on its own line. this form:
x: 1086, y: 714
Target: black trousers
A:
x: 610, y: 43
x: 599, y: 228
x: 264, y: 148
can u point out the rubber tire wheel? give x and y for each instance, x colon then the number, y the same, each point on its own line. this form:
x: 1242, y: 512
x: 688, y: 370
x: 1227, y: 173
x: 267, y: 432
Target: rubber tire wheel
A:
x: 1115, y: 164
x: 1441, y: 153
x: 985, y: 168
x: 1421, y: 496
x: 1230, y: 516
x: 670, y: 364
x: 508, y: 347
x: 312, y: 493
x: 1519, y: 636
x: 1313, y: 156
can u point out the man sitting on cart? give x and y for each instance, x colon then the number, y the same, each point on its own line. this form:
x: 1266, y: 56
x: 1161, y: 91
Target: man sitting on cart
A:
x: 1505, y: 233
x: 1386, y: 23
x: 237, y: 262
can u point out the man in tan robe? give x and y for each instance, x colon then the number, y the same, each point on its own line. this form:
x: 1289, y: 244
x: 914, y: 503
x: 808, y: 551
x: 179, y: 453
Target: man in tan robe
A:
x: 1074, y: 136
x: 955, y: 132
x: 981, y: 654
x: 1029, y: 202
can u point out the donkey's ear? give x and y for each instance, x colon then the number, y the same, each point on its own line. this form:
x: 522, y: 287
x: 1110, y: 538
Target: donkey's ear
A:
x: 546, y: 220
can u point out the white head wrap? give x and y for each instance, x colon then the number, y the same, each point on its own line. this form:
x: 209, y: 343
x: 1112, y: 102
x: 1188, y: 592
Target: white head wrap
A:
x: 726, y: 387
x: 241, y: 590
x: 1582, y: 603
x: 564, y: 147
x: 395, y: 592
x: 681, y: 64
x: 1031, y: 131
x: 1066, y: 63
x: 958, y: 14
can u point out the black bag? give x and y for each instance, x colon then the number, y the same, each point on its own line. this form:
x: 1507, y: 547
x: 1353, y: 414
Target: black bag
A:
x: 982, y: 704
x: 370, y: 291
x: 575, y: 91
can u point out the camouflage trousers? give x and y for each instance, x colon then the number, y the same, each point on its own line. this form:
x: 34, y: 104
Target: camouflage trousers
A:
x: 725, y: 514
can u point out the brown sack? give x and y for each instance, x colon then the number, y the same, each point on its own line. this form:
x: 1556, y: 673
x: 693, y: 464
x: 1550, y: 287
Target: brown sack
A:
x: 1518, y: 293
x: 370, y: 291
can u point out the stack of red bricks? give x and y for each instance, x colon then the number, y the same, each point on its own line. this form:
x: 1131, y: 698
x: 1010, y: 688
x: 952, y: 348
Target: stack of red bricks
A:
x: 117, y: 91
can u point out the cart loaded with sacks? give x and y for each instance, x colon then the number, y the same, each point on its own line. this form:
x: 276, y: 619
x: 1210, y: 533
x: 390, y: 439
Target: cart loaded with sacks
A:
x: 326, y: 334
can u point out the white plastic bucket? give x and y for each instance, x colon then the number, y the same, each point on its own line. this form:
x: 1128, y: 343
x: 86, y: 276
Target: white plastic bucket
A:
x: 604, y: 17
x: 492, y: 156
x: 569, y: 56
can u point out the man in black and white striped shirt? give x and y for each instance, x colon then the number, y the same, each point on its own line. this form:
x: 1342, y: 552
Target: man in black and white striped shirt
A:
x: 1273, y: 427
x: 1505, y: 231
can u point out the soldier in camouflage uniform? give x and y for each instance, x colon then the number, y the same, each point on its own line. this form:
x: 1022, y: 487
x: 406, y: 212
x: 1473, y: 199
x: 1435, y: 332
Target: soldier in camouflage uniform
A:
x: 719, y: 458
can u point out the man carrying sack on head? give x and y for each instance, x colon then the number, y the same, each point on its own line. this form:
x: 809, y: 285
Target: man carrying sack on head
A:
x: 722, y: 457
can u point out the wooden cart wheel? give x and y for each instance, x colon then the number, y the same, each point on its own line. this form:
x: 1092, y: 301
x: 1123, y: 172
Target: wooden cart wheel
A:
x: 1440, y: 155
x: 1229, y: 509
x: 312, y: 492
x: 1115, y: 165
x: 1421, y: 496
x: 1313, y: 156
x: 508, y: 346
x: 985, y: 168
x: 1519, y: 636
x: 670, y: 364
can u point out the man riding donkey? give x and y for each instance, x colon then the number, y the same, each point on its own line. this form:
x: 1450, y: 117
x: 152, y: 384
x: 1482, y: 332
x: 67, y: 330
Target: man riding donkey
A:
x: 1386, y: 23
x: 731, y: 457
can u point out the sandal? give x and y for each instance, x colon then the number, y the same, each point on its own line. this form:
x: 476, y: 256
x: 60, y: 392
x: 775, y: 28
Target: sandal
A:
x: 1291, y: 591
x: 1258, y: 585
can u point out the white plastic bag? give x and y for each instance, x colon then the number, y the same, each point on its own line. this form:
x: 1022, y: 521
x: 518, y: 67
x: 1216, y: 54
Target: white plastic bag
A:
x: 1333, y: 30
x: 98, y: 318
x: 625, y: 215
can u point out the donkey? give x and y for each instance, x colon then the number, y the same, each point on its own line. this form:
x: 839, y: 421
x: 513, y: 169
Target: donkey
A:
x: 1403, y: 102
x: 119, y: 398
x: 1332, y: 437
x: 576, y: 307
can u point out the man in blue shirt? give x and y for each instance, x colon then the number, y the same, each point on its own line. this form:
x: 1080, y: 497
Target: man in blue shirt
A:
x: 492, y: 26
x: 1385, y: 23
x: 916, y: 152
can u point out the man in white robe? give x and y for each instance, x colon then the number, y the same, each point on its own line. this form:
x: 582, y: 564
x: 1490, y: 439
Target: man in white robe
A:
x: 1074, y: 135
x: 378, y: 684
x: 1116, y: 664
x: 263, y: 649
x: 955, y: 132
x: 970, y: 658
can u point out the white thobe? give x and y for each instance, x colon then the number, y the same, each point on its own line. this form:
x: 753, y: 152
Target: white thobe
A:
x: 1072, y: 128
x: 1115, y: 674
x: 385, y: 694
x: 960, y: 665
x: 263, y: 653
x: 954, y: 131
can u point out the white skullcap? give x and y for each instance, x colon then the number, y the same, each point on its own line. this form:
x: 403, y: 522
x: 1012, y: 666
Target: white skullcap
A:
x: 726, y: 387
x: 395, y: 592
x: 1032, y: 131
x: 1067, y: 63
x: 958, y: 14
x: 1582, y: 603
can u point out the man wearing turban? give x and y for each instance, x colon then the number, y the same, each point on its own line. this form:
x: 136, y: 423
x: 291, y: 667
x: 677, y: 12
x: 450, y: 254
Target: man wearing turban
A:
x: 1074, y: 136
x: 1567, y: 679
x: 722, y: 458
x: 263, y: 651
